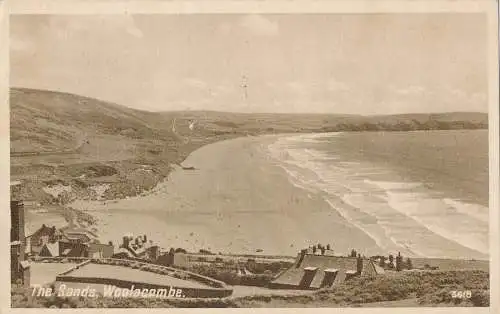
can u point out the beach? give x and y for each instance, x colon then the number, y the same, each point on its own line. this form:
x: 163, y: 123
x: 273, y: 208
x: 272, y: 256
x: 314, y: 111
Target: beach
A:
x: 252, y: 194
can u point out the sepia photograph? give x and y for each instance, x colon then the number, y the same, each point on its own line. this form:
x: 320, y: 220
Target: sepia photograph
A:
x: 250, y: 160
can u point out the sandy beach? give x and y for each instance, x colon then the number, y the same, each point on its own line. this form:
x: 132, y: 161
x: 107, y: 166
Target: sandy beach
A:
x: 237, y: 200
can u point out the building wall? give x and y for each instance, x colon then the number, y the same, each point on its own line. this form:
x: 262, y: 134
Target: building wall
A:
x: 166, y: 259
x: 180, y: 260
x: 176, y: 259
x: 123, y: 283
x: 99, y: 250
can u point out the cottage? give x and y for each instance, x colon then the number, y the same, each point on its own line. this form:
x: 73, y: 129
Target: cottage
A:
x: 172, y: 258
x: 50, y: 250
x: 40, y: 237
x: 312, y: 271
x: 77, y: 235
x: 76, y: 249
x: 100, y: 250
x: 139, y: 247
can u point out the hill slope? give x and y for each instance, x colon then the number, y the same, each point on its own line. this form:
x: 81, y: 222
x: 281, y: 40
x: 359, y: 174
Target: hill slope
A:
x: 66, y: 146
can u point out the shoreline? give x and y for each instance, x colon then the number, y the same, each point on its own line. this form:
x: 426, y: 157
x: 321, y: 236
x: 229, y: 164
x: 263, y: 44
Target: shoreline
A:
x: 151, y: 208
x: 103, y: 209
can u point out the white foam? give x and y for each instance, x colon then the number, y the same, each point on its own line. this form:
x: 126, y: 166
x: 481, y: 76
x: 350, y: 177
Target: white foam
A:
x: 430, y: 214
x: 384, y: 228
x: 385, y: 185
x: 410, y: 202
x: 378, y: 236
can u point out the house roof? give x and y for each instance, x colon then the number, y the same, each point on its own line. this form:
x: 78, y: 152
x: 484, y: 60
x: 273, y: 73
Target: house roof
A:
x: 77, y: 236
x: 44, y: 230
x: 78, y: 231
x: 123, y: 251
x: 53, y: 248
x: 378, y: 269
x: 293, y: 276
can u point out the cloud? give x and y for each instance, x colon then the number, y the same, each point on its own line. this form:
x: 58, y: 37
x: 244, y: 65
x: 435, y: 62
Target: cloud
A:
x: 468, y: 101
x: 220, y: 90
x: 298, y: 88
x: 259, y: 25
x: 68, y: 26
x: 410, y: 90
x: 196, y: 83
x: 335, y: 86
x: 224, y: 28
x: 20, y: 45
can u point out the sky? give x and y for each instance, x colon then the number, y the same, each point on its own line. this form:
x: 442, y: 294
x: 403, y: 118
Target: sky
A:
x: 333, y: 63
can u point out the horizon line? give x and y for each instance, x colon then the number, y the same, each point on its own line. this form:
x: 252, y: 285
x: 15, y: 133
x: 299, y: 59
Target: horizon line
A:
x: 11, y: 88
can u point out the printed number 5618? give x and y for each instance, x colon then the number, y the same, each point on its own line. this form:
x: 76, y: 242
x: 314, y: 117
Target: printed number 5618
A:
x: 464, y: 294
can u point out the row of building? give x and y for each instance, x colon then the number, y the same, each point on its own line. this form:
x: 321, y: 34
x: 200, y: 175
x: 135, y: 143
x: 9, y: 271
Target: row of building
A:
x: 69, y: 242
x: 49, y: 241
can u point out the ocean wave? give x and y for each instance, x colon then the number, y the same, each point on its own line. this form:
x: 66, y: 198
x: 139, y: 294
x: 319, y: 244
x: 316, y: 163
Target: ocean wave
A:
x: 451, y: 225
x: 397, y: 215
x: 380, y: 241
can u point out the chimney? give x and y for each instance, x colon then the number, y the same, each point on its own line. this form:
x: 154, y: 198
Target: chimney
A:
x: 359, y: 264
x: 125, y: 241
x: 399, y: 262
x: 145, y: 238
x: 155, y: 252
x: 300, y: 257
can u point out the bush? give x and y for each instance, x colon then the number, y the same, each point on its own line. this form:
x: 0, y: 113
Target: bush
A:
x: 260, y: 280
x: 480, y: 298
x: 430, y: 288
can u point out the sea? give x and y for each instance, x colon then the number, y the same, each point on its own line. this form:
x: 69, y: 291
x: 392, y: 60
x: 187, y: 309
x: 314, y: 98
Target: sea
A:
x: 413, y: 192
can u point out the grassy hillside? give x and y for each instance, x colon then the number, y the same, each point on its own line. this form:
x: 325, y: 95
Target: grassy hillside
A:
x: 66, y: 146
x: 401, y: 289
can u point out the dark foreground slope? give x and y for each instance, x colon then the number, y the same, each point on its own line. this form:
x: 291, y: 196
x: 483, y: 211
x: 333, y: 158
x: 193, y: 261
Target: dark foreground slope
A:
x: 405, y: 289
x: 60, y: 139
